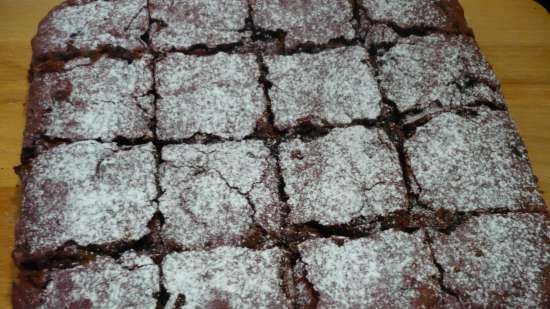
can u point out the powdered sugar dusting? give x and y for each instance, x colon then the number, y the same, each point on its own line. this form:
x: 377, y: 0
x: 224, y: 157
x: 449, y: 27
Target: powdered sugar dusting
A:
x: 472, y: 163
x: 305, y: 21
x: 89, y: 193
x: 389, y: 270
x: 437, y: 69
x: 101, y: 100
x: 226, y: 277
x: 349, y: 173
x: 217, y: 95
x: 497, y: 259
x: 407, y: 13
x: 104, y: 283
x: 194, y: 22
x: 90, y: 24
x: 334, y: 87
x: 215, y: 193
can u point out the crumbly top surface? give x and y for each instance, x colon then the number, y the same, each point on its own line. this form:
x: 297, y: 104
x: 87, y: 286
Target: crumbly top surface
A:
x: 497, y: 259
x: 213, y: 194
x: 89, y: 193
x: 226, y: 277
x: 305, y: 21
x: 90, y: 24
x: 407, y: 13
x: 103, y: 100
x: 437, y: 69
x: 130, y: 282
x: 348, y: 173
x: 218, y: 95
x: 388, y: 270
x: 187, y: 23
x: 469, y: 163
x: 332, y: 87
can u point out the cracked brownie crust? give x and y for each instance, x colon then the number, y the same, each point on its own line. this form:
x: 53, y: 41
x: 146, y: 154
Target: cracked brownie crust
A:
x: 272, y: 154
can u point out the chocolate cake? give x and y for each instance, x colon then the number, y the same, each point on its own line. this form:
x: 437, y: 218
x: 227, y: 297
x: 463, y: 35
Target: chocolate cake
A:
x: 273, y: 154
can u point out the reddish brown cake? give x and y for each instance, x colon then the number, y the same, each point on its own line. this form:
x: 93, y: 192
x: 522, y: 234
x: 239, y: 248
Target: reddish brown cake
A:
x: 310, y: 154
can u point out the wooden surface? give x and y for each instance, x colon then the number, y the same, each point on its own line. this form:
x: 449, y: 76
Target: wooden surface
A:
x: 514, y: 35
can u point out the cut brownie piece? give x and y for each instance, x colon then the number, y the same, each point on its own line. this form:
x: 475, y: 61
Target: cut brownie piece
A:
x: 218, y: 95
x: 439, y: 70
x: 104, y: 99
x: 388, y: 270
x: 88, y: 25
x: 83, y: 194
x: 333, y: 87
x: 471, y: 163
x: 181, y: 24
x: 347, y: 174
x: 129, y: 282
x: 226, y: 277
x: 415, y: 15
x: 497, y: 259
x: 214, y: 194
x: 305, y: 21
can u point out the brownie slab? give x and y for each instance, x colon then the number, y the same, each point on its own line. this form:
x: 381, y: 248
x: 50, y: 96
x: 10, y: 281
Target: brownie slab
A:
x: 472, y: 163
x: 350, y: 172
x: 92, y: 99
x: 305, y: 21
x: 435, y: 15
x: 437, y: 70
x: 497, y: 259
x: 388, y: 270
x: 218, y: 95
x: 89, y: 25
x: 215, y: 194
x: 333, y: 87
x: 227, y: 277
x: 132, y: 281
x: 85, y: 193
x: 182, y: 24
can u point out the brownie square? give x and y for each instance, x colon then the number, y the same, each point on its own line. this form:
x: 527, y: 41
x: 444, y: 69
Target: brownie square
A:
x: 349, y: 173
x: 334, y: 87
x: 215, y: 194
x: 305, y: 21
x: 227, y: 277
x: 471, y: 163
x: 218, y: 95
x: 391, y: 269
x: 182, y: 24
x: 132, y: 281
x: 103, y: 99
x: 497, y: 259
x: 433, y: 15
x: 88, y: 25
x: 437, y: 70
x: 84, y: 194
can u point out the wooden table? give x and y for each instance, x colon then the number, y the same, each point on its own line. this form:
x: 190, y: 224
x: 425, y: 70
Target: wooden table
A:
x: 514, y: 35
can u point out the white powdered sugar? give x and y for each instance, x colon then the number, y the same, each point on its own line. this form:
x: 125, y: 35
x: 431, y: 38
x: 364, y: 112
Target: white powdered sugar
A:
x: 497, y: 259
x: 305, y: 21
x: 331, y: 87
x: 197, y: 22
x: 217, y: 95
x: 445, y: 70
x: 90, y: 24
x: 389, y: 270
x: 407, y: 13
x: 130, y: 282
x: 89, y: 193
x: 226, y: 277
x: 471, y: 163
x: 349, y: 173
x: 103, y: 100
x: 213, y: 194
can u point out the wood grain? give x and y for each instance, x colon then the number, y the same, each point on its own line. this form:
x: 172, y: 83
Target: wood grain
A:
x: 513, y: 34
